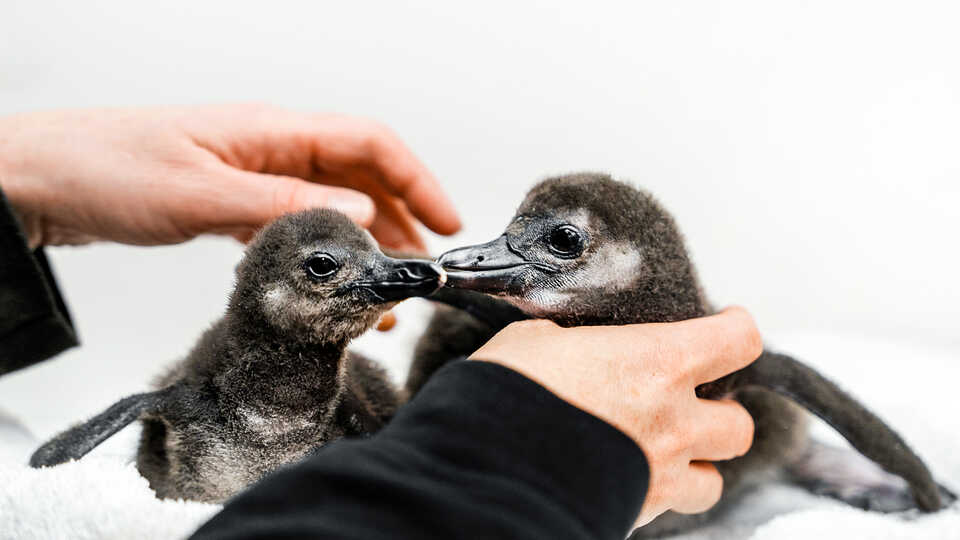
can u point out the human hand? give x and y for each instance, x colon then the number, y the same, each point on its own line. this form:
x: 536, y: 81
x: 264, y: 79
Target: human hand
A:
x: 642, y: 380
x: 164, y: 175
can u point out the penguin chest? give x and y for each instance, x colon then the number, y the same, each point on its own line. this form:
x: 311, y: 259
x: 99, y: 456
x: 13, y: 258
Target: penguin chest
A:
x: 279, y: 427
x: 213, y: 462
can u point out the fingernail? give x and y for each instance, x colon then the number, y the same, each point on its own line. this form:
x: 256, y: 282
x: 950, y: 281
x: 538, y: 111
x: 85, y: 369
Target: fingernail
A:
x: 357, y: 207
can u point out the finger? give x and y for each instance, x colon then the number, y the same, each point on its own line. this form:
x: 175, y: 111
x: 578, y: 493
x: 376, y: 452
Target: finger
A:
x: 394, y: 227
x: 417, y: 187
x: 706, y: 348
x: 717, y: 345
x: 254, y: 199
x: 401, y: 173
x: 244, y: 236
x: 724, y: 430
x: 700, y: 490
x: 297, y: 144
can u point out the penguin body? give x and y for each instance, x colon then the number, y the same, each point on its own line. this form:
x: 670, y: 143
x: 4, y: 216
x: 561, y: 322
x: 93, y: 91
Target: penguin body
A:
x: 272, y: 380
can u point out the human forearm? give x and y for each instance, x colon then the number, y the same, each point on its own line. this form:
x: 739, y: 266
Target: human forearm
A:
x: 481, y: 452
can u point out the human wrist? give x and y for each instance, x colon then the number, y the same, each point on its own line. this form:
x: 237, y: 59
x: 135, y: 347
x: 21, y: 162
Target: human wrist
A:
x: 21, y: 193
x: 29, y: 221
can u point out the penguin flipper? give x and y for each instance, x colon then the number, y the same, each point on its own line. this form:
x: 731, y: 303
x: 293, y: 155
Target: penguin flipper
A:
x: 490, y: 310
x: 77, y: 441
x: 849, y: 477
x: 863, y: 429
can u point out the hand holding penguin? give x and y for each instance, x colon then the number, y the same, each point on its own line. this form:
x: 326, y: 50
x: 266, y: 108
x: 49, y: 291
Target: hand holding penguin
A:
x: 641, y: 379
x: 584, y: 249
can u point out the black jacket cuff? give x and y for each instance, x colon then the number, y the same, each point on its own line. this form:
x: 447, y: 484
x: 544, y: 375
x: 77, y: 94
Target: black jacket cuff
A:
x: 34, y: 322
x: 520, y: 429
x: 480, y: 453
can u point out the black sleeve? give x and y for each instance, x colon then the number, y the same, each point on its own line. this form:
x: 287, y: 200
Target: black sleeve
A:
x: 480, y: 452
x: 34, y: 323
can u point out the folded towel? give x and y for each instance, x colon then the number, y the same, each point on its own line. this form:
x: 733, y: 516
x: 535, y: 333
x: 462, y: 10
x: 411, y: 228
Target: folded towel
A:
x: 100, y: 497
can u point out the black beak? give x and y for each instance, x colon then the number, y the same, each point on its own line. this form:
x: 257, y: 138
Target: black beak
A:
x: 398, y: 279
x: 492, y: 268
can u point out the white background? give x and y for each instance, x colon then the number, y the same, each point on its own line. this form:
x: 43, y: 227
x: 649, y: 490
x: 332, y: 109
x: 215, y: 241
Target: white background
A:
x: 810, y: 150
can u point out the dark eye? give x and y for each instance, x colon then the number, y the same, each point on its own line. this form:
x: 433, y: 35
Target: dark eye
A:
x: 320, y: 265
x: 566, y: 241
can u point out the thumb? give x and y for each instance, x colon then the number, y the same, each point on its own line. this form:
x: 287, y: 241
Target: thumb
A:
x: 261, y: 198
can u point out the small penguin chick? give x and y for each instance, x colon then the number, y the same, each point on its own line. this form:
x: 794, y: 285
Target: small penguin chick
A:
x: 272, y: 379
x: 584, y: 249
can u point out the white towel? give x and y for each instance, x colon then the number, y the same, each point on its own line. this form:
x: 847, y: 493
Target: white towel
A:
x: 910, y: 385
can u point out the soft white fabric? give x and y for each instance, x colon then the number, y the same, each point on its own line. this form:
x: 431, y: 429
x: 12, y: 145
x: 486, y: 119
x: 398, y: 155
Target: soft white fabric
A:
x: 100, y: 497
x: 913, y: 386
x: 96, y: 498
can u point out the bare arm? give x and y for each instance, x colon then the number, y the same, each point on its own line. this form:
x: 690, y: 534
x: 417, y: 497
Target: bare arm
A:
x: 166, y: 174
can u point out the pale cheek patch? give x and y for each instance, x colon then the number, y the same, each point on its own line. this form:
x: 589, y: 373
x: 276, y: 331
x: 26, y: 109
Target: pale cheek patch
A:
x: 541, y: 302
x: 615, y: 266
x: 289, y: 310
x: 274, y: 426
x: 276, y: 299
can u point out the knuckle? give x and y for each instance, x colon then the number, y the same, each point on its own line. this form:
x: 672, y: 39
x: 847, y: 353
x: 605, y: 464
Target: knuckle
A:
x: 539, y: 325
x: 754, y: 343
x: 741, y: 431
x: 371, y: 147
x: 745, y: 433
x: 675, y: 442
x: 379, y: 139
x: 714, y: 486
x: 745, y: 322
x: 517, y: 329
x: 682, y: 442
x: 286, y: 198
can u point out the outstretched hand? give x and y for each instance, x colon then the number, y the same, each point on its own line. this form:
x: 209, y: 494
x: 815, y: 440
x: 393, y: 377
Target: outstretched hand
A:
x: 164, y: 175
x: 642, y: 379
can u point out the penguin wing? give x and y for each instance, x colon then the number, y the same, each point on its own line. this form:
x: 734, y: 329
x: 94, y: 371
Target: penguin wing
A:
x: 493, y: 311
x: 77, y: 441
x: 863, y: 429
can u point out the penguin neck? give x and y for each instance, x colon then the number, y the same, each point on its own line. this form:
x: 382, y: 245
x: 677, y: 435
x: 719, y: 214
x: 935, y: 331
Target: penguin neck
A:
x: 281, y: 368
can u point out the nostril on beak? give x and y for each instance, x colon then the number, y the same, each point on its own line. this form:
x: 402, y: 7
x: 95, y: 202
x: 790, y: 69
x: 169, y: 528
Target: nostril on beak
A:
x: 479, y: 258
x: 417, y: 271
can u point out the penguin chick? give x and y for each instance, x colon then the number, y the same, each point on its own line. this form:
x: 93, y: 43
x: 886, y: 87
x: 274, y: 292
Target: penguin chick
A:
x: 272, y: 379
x: 584, y: 249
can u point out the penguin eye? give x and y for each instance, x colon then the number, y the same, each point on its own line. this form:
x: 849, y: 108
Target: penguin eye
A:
x: 565, y: 241
x: 320, y: 265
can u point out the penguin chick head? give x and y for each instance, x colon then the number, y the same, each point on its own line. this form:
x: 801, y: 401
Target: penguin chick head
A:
x: 585, y: 249
x: 315, y: 276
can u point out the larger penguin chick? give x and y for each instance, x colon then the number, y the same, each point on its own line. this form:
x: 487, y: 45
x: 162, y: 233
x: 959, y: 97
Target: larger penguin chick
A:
x: 584, y: 249
x: 272, y: 379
